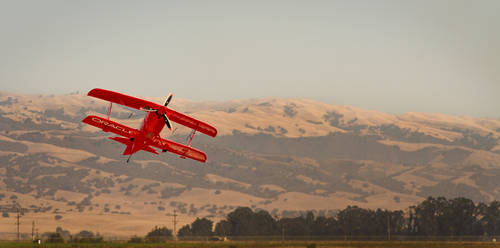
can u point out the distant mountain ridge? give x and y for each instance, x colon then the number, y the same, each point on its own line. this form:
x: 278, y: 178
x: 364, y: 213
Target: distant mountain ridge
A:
x: 276, y: 154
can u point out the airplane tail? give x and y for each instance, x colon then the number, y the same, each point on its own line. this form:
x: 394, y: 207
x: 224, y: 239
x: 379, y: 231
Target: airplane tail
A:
x: 133, y: 147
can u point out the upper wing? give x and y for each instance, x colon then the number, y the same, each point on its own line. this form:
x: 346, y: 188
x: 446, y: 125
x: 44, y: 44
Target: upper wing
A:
x: 180, y: 149
x: 110, y: 126
x: 122, y: 99
x: 191, y: 122
x: 137, y: 103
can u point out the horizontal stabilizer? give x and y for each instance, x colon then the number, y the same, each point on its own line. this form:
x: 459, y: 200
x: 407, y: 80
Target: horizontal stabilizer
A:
x: 122, y: 140
x: 129, y: 143
x: 128, y: 150
x: 150, y: 149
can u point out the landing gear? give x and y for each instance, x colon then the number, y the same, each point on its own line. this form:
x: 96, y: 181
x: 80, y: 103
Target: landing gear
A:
x: 128, y: 159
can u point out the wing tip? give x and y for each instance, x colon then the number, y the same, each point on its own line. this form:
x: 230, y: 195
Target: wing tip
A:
x: 96, y: 91
x: 92, y: 91
x: 85, y: 120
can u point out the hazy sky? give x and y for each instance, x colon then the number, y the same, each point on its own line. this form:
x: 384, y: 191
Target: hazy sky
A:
x: 393, y: 56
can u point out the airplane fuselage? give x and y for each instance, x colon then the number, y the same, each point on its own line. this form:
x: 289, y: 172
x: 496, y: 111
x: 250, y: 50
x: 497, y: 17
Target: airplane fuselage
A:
x: 152, y: 124
x: 149, y: 133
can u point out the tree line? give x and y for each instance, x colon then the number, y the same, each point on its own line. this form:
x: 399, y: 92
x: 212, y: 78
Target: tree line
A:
x: 432, y: 217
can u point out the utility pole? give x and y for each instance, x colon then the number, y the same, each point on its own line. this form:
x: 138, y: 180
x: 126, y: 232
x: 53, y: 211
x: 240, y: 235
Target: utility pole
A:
x: 33, y: 231
x: 175, y: 224
x: 175, y: 229
x: 18, y: 223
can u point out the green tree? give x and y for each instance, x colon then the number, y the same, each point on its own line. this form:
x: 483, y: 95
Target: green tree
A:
x: 397, y: 222
x: 357, y: 221
x: 135, y: 239
x: 54, y: 238
x: 223, y: 228
x: 458, y: 216
x: 185, y: 231
x: 326, y: 226
x: 463, y: 213
x: 202, y: 227
x: 265, y: 224
x: 66, y: 235
x: 244, y: 222
x: 294, y: 226
x: 490, y: 218
x: 241, y: 222
x: 159, y: 234
x: 87, y: 237
x: 428, y: 215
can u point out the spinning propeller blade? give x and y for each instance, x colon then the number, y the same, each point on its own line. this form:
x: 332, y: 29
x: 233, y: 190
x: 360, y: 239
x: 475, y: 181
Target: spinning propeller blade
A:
x: 165, y: 118
x: 167, y: 121
x: 168, y: 99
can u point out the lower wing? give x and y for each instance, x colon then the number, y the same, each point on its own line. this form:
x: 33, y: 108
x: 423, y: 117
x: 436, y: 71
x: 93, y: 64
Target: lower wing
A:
x: 117, y: 128
x: 174, y: 147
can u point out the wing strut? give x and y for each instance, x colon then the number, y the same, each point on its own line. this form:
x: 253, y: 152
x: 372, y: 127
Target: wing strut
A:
x: 192, y: 136
x: 109, y: 111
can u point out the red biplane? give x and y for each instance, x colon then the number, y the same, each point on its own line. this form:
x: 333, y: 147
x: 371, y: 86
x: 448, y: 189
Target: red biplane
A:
x: 148, y: 135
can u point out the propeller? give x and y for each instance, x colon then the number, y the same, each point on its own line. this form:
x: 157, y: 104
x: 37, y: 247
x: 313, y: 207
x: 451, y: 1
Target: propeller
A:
x: 167, y: 121
x: 168, y: 99
x: 163, y: 115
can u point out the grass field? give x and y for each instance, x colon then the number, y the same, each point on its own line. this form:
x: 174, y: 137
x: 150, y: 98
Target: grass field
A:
x: 263, y: 244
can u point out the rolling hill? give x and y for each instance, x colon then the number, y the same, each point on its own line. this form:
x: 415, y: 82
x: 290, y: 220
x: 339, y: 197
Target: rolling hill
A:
x: 282, y: 155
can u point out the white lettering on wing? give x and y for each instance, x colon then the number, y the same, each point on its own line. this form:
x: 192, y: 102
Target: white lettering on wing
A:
x: 194, y: 124
x: 111, y: 125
